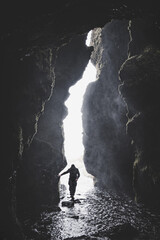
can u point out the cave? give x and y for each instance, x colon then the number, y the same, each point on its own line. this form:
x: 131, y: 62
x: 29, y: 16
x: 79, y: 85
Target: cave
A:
x: 43, y: 54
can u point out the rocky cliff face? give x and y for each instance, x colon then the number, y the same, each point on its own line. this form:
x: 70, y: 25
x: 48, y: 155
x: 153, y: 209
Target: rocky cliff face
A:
x: 108, y: 152
x: 140, y: 89
x: 28, y: 83
x: 45, y: 157
x: 121, y: 118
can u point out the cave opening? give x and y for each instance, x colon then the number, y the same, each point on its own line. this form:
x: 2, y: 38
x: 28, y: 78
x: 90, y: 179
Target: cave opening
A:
x: 73, y: 129
x: 34, y: 180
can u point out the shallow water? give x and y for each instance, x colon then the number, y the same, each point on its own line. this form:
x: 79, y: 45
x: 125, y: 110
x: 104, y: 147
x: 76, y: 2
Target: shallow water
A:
x: 96, y: 215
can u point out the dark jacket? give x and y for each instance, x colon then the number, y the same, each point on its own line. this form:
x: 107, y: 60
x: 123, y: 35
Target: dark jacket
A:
x: 74, y: 173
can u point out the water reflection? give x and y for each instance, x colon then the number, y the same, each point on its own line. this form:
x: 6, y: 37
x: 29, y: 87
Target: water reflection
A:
x: 98, y: 215
x: 70, y: 222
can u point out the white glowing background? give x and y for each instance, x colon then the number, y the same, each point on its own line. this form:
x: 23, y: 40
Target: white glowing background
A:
x: 72, y: 124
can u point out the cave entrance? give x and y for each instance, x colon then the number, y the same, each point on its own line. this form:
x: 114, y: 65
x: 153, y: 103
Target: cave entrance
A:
x: 73, y: 129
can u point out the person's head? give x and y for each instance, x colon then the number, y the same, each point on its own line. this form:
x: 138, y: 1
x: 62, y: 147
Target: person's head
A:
x: 72, y: 166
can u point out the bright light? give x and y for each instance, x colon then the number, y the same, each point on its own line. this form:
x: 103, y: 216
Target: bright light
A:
x: 73, y: 130
x: 88, y: 40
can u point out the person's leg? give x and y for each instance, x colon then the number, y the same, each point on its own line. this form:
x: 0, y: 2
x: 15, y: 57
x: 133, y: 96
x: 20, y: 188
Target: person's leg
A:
x: 72, y: 188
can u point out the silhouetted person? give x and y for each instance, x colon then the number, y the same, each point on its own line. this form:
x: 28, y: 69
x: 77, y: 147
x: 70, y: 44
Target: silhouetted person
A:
x: 73, y: 177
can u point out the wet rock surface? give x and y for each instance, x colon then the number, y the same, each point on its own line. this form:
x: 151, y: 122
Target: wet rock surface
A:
x: 96, y: 215
x: 108, y: 153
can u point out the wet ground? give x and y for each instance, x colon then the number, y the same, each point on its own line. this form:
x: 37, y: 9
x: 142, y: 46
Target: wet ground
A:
x: 96, y: 215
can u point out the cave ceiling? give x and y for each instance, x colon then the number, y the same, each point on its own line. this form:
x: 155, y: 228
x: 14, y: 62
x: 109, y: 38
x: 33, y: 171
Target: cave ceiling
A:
x: 27, y: 25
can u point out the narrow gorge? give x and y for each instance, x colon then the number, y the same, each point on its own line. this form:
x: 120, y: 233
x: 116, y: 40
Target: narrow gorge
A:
x: 43, y: 54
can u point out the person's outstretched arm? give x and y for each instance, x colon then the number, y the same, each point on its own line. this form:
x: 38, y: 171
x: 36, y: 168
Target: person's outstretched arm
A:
x: 64, y: 173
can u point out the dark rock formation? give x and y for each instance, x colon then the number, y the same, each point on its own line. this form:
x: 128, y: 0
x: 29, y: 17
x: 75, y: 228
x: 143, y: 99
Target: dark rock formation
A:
x: 28, y: 83
x: 45, y: 158
x: 108, y: 153
x: 30, y: 38
x: 140, y: 89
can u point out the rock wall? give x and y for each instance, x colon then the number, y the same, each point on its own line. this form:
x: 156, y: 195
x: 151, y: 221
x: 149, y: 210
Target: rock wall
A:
x: 108, y: 153
x: 140, y: 76
x: 28, y: 82
x: 30, y: 37
x: 45, y: 158
x: 31, y: 162
x: 120, y: 118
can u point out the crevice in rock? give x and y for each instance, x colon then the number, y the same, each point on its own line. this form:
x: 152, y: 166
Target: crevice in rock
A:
x: 29, y: 45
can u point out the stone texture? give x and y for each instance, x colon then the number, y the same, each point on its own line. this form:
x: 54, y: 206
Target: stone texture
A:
x: 140, y: 89
x: 25, y: 94
x: 45, y: 157
x: 30, y: 37
x: 108, y: 153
